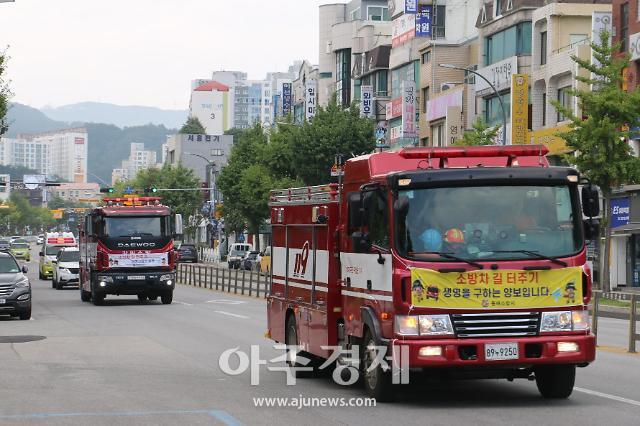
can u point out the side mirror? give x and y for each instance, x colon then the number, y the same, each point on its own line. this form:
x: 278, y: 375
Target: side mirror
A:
x: 361, y: 242
x: 590, y: 201
x: 355, y: 210
x: 178, y: 224
x: 41, y: 253
x: 25, y: 269
x: 591, y: 230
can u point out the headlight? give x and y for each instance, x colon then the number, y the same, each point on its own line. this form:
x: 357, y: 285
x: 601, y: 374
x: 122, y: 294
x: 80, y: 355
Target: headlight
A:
x: 166, y: 277
x: 435, y: 325
x: 24, y: 282
x: 106, y: 279
x: 564, y: 321
x: 65, y: 271
x: 423, y: 325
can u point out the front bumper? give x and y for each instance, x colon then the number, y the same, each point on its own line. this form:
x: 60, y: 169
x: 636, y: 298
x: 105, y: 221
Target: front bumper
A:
x: 131, y: 283
x: 47, y: 270
x: 20, y: 255
x: 68, y: 278
x: 531, y: 350
x: 12, y: 305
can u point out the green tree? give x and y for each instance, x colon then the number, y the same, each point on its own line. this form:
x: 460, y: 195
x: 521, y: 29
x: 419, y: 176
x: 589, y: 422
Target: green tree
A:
x: 5, y: 94
x: 193, y: 126
x: 482, y: 134
x: 599, y: 136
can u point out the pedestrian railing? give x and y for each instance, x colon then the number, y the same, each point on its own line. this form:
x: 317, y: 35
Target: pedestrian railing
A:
x: 633, y: 300
x: 207, y: 255
x: 234, y: 281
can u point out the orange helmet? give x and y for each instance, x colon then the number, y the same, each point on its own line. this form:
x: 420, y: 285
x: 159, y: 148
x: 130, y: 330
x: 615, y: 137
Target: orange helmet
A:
x: 454, y: 235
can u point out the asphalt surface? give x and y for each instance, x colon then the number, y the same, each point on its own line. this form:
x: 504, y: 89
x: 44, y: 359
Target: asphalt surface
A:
x: 128, y: 363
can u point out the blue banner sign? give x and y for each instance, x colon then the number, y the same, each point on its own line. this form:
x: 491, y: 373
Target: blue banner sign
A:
x: 620, y: 212
x: 411, y: 6
x: 286, y: 98
x: 424, y: 20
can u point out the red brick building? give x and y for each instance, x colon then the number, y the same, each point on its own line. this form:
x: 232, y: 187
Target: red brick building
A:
x: 626, y: 25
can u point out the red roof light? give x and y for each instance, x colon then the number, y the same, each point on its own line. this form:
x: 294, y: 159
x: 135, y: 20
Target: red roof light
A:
x: 475, y: 151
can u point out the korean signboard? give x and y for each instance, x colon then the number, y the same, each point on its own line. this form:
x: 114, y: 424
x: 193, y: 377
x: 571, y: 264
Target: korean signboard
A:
x: 550, y: 139
x: 310, y: 99
x: 411, y: 6
x: 403, y: 29
x: 366, y: 101
x: 424, y: 20
x: 519, y: 109
x: 620, y: 211
x: 600, y: 21
x: 381, y: 135
x: 203, y: 138
x: 408, y: 90
x: 504, y: 289
x: 286, y: 98
x: 394, y: 108
x: 499, y: 74
x: 137, y: 260
x: 437, y: 107
x: 454, y: 124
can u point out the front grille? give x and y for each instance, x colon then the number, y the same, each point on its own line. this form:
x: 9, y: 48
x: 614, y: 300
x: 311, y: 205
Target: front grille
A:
x: 496, y: 324
x: 6, y: 289
x: 74, y: 270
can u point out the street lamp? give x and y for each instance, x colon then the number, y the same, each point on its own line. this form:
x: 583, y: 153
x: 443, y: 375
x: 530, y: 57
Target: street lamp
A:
x: 504, y: 111
x: 212, y: 176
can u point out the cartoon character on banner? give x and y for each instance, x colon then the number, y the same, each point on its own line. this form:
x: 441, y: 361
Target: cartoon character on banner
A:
x: 570, y: 292
x: 417, y: 290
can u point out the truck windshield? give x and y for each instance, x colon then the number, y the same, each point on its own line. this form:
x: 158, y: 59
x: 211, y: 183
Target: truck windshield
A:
x: 123, y: 226
x: 487, y: 223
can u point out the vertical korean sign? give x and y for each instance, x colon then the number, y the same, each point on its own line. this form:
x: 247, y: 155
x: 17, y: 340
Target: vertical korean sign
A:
x: 366, y: 101
x: 423, y: 21
x: 286, y: 99
x: 409, y: 109
x: 411, y: 6
x: 519, y: 109
x: 310, y: 94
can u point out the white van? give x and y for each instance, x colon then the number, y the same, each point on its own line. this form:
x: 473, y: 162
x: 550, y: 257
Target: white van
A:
x: 236, y: 253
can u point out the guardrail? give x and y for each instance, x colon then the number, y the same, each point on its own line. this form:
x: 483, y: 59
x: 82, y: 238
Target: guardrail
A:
x: 208, y: 255
x: 234, y: 281
x: 633, y: 299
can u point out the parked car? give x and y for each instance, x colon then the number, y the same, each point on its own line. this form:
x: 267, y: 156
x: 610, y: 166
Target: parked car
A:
x: 67, y: 268
x: 236, y: 253
x: 5, y: 245
x: 20, y: 250
x: 15, y: 237
x: 188, y: 253
x: 250, y: 261
x: 40, y: 240
x: 15, y: 288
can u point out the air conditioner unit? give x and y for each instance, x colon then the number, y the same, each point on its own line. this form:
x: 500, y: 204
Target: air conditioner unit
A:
x: 446, y: 86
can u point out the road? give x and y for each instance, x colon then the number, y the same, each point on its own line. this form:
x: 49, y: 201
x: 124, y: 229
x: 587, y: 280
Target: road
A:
x: 129, y: 363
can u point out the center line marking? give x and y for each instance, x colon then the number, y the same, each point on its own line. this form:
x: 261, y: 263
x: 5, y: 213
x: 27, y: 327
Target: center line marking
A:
x: 182, y: 303
x: 608, y: 396
x: 232, y: 315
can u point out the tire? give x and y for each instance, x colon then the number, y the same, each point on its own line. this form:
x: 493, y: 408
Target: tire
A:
x: 291, y: 338
x: 142, y: 298
x: 555, y: 381
x: 377, y: 382
x: 96, y: 298
x: 85, y: 296
x: 26, y: 315
x: 167, y: 298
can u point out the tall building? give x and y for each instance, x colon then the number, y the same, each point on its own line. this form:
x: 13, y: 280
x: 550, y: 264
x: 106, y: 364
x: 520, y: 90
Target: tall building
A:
x: 195, y: 152
x: 76, y: 192
x: 139, y: 159
x: 306, y: 73
x: 212, y: 104
x: 56, y: 154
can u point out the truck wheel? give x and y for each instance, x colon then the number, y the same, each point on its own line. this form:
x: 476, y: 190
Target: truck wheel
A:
x: 167, y: 298
x: 142, y: 298
x: 377, y: 382
x: 85, y: 296
x: 291, y: 338
x: 96, y: 298
x: 25, y: 315
x: 555, y: 381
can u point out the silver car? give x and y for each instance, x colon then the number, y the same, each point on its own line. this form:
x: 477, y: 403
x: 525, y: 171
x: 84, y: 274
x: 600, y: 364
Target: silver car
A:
x: 67, y: 268
x: 15, y: 288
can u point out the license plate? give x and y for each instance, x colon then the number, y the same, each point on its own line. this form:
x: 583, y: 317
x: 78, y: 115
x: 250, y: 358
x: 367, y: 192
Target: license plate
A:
x: 500, y: 351
x: 3, y: 301
x: 136, y: 277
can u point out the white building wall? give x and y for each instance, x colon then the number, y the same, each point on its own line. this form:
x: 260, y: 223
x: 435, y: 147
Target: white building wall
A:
x: 209, y: 107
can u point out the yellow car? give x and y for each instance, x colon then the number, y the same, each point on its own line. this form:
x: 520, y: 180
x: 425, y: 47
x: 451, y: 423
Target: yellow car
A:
x: 20, y: 250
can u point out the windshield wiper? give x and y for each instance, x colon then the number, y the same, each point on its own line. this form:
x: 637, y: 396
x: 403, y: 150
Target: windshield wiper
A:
x: 535, y: 254
x: 452, y: 257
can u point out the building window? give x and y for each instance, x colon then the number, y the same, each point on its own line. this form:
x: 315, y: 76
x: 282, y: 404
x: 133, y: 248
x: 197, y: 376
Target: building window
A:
x: 437, y: 134
x: 543, y: 48
x: 624, y: 27
x: 493, y: 111
x: 439, y: 19
x: 343, y: 76
x: 405, y: 73
x: 426, y: 57
x: 509, y: 4
x: 544, y: 109
x: 377, y: 13
x: 355, y: 14
x: 515, y: 40
x: 566, y: 100
x: 575, y: 39
x: 217, y: 152
x: 497, y: 8
x: 380, y: 83
x: 425, y: 99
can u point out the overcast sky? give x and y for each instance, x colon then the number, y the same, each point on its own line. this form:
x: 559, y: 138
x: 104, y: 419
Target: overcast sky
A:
x: 145, y: 52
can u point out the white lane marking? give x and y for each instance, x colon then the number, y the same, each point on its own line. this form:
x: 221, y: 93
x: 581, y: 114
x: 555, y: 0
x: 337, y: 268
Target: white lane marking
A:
x: 232, y: 315
x: 226, y: 301
x: 182, y: 303
x: 608, y: 396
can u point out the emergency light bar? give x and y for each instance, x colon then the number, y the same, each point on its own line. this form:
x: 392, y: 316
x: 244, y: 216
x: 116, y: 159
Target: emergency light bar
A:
x: 60, y: 241
x: 130, y: 199
x: 475, y: 151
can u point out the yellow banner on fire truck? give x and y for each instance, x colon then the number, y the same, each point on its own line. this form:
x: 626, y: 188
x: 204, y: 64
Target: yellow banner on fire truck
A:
x: 506, y: 289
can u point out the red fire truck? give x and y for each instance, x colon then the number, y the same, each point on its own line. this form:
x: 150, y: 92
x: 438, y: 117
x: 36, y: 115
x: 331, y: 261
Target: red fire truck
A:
x: 469, y: 261
x: 126, y: 248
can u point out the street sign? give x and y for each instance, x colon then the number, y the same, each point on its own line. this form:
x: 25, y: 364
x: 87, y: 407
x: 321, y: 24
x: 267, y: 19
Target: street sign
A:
x: 335, y: 171
x: 128, y: 190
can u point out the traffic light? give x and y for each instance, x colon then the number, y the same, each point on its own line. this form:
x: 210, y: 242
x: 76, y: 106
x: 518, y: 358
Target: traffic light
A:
x: 151, y: 190
x: 107, y: 190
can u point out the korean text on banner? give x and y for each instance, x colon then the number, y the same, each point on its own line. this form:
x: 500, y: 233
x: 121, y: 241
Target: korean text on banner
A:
x: 519, y: 109
x: 286, y: 98
x: 423, y: 21
x: 409, y: 109
x: 137, y: 260
x: 310, y: 95
x: 366, y: 101
x: 506, y: 289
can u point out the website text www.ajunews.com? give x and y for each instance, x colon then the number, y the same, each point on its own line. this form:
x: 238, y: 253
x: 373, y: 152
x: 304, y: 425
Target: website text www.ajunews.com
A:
x: 300, y: 402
